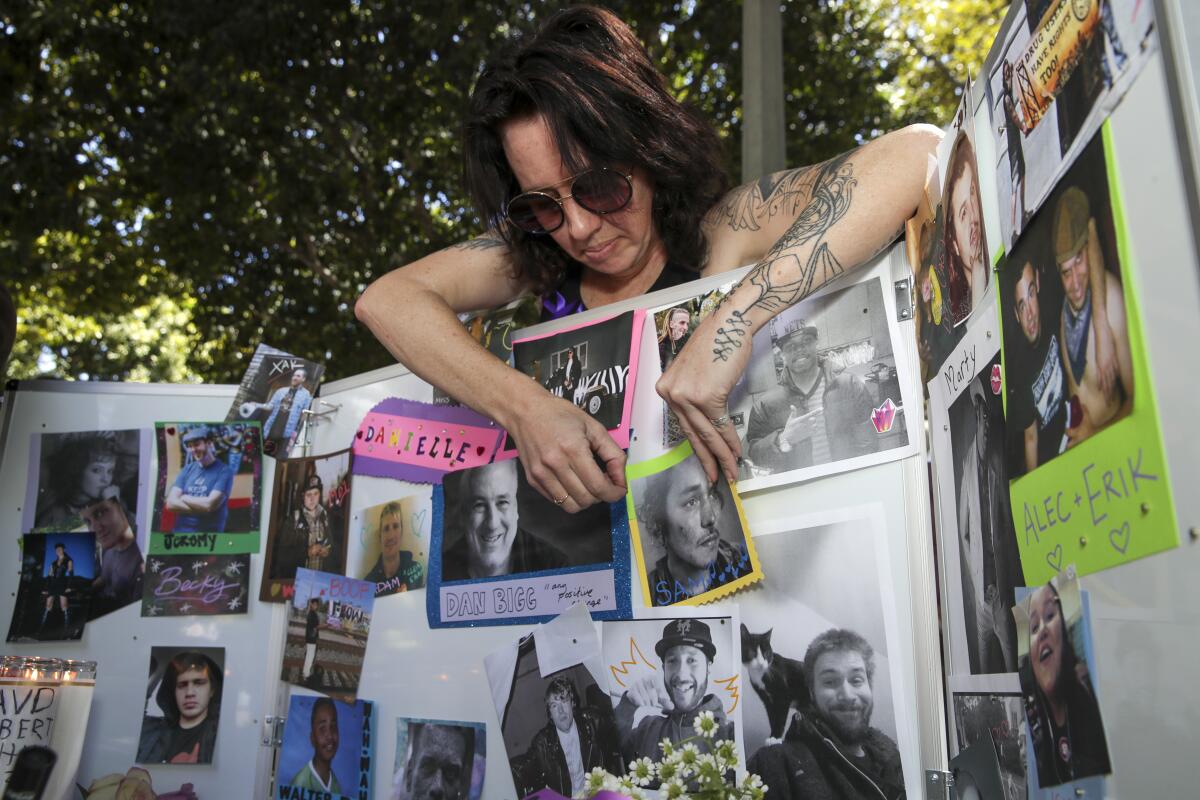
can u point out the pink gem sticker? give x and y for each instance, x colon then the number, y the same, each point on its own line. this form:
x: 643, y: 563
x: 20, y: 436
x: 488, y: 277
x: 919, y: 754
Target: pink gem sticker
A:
x: 883, y: 417
x: 996, y: 379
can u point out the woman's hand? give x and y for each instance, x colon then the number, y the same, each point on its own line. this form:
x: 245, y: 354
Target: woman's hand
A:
x: 568, y: 456
x: 697, y: 385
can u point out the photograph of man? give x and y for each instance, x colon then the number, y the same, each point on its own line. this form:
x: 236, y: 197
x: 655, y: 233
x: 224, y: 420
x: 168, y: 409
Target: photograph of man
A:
x: 317, y: 775
x: 674, y: 334
x: 966, y: 249
x: 439, y: 762
x: 988, y: 557
x: 1036, y: 386
x: 287, y: 405
x: 813, y: 416
x: 1059, y: 698
x: 199, y: 495
x: 1093, y: 320
x: 396, y: 570
x: 665, y: 705
x: 570, y: 745
x: 54, y: 595
x: 121, y: 564
x: 484, y: 535
x: 72, y: 470
x: 309, y: 521
x: 690, y: 533
x: 833, y: 752
x: 312, y: 636
x: 181, y: 726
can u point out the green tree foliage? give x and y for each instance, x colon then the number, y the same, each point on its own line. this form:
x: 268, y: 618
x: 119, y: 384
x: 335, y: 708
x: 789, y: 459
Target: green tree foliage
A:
x: 179, y: 181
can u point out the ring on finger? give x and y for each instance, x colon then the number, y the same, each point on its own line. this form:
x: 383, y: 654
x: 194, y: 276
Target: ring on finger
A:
x: 720, y: 421
x: 561, y: 500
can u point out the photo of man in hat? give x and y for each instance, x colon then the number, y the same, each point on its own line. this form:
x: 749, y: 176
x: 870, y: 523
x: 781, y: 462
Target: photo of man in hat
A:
x: 1093, y: 319
x: 311, y: 533
x: 199, y: 496
x: 815, y: 415
x: 665, y: 705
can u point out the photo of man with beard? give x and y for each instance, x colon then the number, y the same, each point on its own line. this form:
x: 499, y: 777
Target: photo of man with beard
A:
x: 834, y: 752
x: 665, y: 705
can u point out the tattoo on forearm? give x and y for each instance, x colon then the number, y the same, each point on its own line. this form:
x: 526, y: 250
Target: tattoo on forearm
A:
x: 781, y: 278
x: 480, y: 243
x: 729, y: 336
x: 746, y: 207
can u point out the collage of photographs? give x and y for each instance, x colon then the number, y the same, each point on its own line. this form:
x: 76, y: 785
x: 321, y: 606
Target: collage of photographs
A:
x: 729, y: 631
x: 1038, y: 384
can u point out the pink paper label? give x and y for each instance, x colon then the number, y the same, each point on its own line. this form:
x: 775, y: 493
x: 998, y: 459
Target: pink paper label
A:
x: 420, y: 442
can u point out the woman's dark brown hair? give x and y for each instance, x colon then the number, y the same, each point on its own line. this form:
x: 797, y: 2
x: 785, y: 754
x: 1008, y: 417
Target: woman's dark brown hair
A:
x: 606, y: 105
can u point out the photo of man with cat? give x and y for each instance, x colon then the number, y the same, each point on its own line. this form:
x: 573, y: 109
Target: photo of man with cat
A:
x: 820, y: 720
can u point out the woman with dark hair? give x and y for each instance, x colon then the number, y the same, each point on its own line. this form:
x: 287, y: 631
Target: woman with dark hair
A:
x: 81, y: 469
x: 596, y: 185
x: 1064, y: 717
x: 190, y: 698
x: 966, y: 251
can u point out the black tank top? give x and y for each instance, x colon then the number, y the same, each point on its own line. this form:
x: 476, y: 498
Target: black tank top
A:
x: 566, y: 299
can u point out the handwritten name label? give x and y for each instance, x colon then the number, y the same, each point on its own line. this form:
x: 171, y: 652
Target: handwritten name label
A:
x: 526, y: 597
x: 420, y: 442
x: 960, y: 372
x: 26, y: 718
x: 179, y: 585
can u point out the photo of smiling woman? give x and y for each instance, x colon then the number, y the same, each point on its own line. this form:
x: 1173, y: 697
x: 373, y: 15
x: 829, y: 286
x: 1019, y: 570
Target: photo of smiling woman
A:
x: 1060, y: 698
x: 966, y: 248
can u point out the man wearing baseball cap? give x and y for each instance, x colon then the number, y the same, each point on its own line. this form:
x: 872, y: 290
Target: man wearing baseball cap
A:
x: 1090, y: 330
x: 665, y: 705
x: 200, y: 494
x: 812, y: 416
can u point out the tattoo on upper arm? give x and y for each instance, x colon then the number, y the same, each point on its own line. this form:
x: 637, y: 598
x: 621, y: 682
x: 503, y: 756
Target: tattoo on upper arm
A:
x: 747, y: 206
x: 480, y: 243
x: 781, y: 278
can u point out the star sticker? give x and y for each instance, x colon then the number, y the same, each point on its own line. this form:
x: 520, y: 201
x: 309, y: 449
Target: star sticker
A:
x: 235, y: 604
x: 186, y: 608
x: 152, y: 611
x: 234, y: 568
x: 198, y: 565
x: 155, y: 566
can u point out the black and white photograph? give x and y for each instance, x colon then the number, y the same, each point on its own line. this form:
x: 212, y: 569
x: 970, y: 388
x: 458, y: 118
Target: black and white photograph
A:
x: 276, y: 390
x: 439, y: 758
x: 589, y: 365
x: 818, y: 666
x: 1067, y: 357
x: 309, y: 521
x: 821, y: 392
x: 495, y: 523
x: 989, y: 561
x: 666, y: 671
x: 995, y: 718
x: 54, y: 597
x: 70, y: 471
x: 1040, y: 115
x: 690, y: 534
x: 556, y: 727
x: 183, y: 705
x: 1062, y: 709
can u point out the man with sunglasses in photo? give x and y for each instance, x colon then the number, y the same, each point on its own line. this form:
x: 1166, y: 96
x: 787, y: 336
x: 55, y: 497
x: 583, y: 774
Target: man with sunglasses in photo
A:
x: 599, y: 186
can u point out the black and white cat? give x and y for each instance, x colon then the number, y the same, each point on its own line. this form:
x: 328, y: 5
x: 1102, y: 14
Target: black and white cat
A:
x: 778, y: 681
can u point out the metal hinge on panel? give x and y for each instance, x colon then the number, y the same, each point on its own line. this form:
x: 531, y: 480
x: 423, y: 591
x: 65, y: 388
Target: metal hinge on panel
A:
x: 904, y: 299
x: 273, y: 730
x: 939, y: 785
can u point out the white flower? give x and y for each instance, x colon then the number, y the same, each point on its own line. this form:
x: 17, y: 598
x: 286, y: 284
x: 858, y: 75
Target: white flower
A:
x: 689, y: 755
x: 667, y: 747
x: 706, y: 724
x: 596, y: 780
x: 642, y: 771
x: 672, y: 790
x: 668, y: 770
x: 726, y: 753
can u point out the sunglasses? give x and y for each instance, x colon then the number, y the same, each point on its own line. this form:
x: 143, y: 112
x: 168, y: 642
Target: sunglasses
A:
x: 600, y: 191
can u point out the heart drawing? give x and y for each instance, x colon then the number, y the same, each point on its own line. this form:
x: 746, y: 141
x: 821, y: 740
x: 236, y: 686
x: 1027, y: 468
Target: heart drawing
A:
x: 418, y: 522
x: 1054, y: 558
x: 1119, y: 538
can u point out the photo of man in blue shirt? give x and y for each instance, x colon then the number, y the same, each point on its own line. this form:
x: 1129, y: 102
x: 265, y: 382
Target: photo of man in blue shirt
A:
x: 199, y: 497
